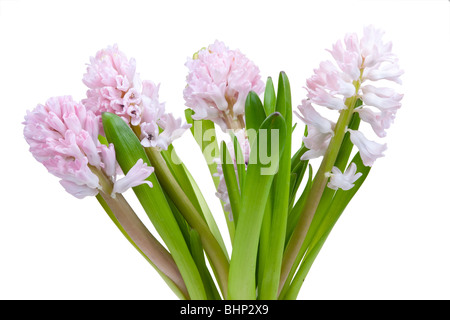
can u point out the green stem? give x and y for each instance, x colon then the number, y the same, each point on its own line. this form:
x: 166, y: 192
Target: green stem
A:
x: 169, y: 282
x: 210, y: 244
x: 131, y: 226
x: 319, y: 184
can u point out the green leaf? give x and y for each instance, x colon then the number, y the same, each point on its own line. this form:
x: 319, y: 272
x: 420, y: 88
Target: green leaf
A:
x: 177, y: 169
x: 128, y: 151
x: 281, y: 191
x: 198, y: 255
x: 296, y: 157
x: 240, y: 161
x: 212, y: 247
x: 284, y: 104
x: 229, y: 175
x: 254, y: 114
x: 189, y: 186
x: 264, y: 239
x: 269, y: 97
x: 298, y: 171
x: 260, y: 173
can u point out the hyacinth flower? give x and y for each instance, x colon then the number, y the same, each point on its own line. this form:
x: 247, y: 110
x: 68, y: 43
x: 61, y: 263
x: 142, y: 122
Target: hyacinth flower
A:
x: 116, y: 87
x: 63, y: 136
x: 278, y: 209
x: 350, y: 87
x: 218, y: 83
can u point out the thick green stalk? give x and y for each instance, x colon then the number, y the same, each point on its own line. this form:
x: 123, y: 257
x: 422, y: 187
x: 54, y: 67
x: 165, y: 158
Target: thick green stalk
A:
x: 181, y: 293
x: 210, y: 244
x: 319, y: 184
x: 143, y: 239
x: 153, y: 200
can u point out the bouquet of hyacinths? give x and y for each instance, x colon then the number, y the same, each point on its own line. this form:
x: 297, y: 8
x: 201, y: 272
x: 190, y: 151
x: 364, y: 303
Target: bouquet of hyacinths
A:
x: 278, y: 211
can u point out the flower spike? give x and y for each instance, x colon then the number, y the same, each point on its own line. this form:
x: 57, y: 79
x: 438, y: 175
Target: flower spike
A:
x: 218, y: 83
x: 335, y: 85
x: 116, y: 87
x: 63, y: 136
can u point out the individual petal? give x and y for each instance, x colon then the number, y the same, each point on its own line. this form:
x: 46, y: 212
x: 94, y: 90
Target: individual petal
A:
x: 122, y: 83
x: 89, y: 147
x: 172, y: 129
x: 385, y: 99
x: 312, y: 118
x: 325, y: 98
x: 56, y: 123
x: 78, y: 191
x: 344, y: 181
x: 373, y: 49
x: 74, y: 170
x: 348, y: 59
x: 135, y: 177
x: 109, y: 160
x: 92, y: 125
x: 386, y: 71
x: 380, y: 121
x: 149, y: 133
x: 317, y: 143
x: 320, y: 131
x: 328, y: 77
x: 369, y: 150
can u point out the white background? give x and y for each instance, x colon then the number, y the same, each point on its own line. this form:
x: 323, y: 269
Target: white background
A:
x: 392, y: 241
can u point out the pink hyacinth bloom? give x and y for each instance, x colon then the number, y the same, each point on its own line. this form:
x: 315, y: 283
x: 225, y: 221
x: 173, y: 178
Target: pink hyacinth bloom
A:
x: 344, y: 181
x: 218, y: 83
x: 63, y: 136
x: 356, y: 62
x: 116, y: 87
x: 109, y: 77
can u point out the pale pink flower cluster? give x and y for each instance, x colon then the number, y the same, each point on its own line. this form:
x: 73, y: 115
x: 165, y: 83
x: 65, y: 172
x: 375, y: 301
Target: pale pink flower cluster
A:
x: 63, y: 136
x: 116, y: 87
x: 222, y: 191
x: 218, y: 83
x: 359, y: 63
